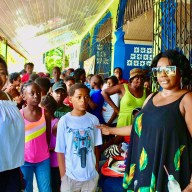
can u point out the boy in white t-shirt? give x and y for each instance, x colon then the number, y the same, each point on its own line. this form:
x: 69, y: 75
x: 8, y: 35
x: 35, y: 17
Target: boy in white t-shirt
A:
x: 77, y: 137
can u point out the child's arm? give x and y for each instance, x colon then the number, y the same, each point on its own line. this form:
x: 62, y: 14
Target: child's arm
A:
x: 97, y: 155
x: 54, y: 129
x: 48, y: 126
x: 92, y: 105
x: 61, y: 163
x: 113, y: 90
x: 96, y: 100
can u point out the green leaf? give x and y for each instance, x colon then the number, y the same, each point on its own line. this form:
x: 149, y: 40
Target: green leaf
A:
x: 138, y: 124
x: 153, y: 183
x: 128, y: 178
x: 178, y: 156
x: 143, y: 161
x: 125, y: 184
x: 144, y: 189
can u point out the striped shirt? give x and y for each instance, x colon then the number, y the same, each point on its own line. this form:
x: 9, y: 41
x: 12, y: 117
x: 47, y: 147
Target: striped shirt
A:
x: 36, y: 148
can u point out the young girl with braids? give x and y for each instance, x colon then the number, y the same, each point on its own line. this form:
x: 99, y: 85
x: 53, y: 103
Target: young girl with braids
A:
x: 37, y: 137
x: 49, y: 104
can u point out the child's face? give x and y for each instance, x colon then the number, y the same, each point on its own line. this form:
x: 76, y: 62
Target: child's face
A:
x: 56, y: 73
x: 92, y: 82
x: 83, y: 78
x: 32, y: 95
x: 69, y: 84
x: 147, y: 84
x: 59, y: 95
x: 17, y: 82
x: 29, y: 69
x: 110, y: 83
x: 80, y: 99
x: 117, y: 73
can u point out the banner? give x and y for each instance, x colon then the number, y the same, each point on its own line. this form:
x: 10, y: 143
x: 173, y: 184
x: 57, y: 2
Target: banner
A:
x: 89, y: 65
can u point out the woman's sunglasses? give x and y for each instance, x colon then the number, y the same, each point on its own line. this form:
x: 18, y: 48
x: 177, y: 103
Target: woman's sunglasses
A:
x: 168, y: 70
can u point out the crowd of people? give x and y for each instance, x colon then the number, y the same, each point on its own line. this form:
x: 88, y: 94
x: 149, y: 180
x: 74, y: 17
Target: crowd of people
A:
x: 51, y: 126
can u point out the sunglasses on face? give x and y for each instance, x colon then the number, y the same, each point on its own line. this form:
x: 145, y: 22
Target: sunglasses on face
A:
x: 168, y: 70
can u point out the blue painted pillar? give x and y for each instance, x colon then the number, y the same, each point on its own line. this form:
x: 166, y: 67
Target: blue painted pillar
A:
x: 119, y: 49
x: 119, y: 46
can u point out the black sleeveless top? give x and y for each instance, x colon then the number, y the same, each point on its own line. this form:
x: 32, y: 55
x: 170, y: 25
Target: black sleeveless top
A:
x: 159, y: 137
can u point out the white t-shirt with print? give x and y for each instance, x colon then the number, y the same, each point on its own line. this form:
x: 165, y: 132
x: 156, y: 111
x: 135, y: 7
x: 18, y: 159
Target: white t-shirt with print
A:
x: 108, y: 110
x: 76, y: 138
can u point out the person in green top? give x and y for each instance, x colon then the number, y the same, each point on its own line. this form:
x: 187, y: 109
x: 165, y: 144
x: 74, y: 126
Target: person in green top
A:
x: 132, y: 96
x: 59, y: 93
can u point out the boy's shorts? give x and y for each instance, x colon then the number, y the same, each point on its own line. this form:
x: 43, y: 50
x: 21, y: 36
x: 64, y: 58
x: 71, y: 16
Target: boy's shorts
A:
x: 70, y: 185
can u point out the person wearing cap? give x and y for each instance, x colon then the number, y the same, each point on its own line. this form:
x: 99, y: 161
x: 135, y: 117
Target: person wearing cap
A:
x: 132, y: 95
x: 59, y: 93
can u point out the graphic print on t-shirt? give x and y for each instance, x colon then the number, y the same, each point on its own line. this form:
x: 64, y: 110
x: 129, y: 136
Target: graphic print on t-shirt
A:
x: 81, y: 143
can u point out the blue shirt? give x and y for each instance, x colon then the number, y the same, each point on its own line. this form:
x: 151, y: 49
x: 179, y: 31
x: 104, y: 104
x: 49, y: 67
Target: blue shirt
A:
x: 98, y: 99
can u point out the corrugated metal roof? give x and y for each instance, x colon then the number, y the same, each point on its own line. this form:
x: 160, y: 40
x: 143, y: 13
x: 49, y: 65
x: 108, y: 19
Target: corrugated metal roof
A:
x: 35, y: 26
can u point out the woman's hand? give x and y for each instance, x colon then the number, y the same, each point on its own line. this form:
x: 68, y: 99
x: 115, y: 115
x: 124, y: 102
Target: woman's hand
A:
x: 104, y: 129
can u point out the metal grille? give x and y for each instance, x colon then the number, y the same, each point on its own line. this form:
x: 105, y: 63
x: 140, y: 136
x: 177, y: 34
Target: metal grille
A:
x: 173, y: 26
x: 103, y: 56
x: 136, y: 8
x: 184, y: 27
x: 102, y: 49
x: 85, y: 52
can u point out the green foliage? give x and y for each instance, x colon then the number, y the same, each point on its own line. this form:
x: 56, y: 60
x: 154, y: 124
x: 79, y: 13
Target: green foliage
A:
x: 54, y: 58
x: 72, y: 42
x: 66, y: 61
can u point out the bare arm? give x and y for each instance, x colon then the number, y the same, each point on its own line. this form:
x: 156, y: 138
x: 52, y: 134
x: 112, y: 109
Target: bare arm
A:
x: 186, y: 110
x: 48, y: 126
x: 121, y: 131
x: 110, y: 91
x: 61, y: 163
x: 54, y: 129
x: 92, y: 105
x: 189, y: 187
x: 97, y: 155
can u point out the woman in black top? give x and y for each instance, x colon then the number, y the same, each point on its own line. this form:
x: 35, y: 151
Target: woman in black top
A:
x: 161, y: 132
